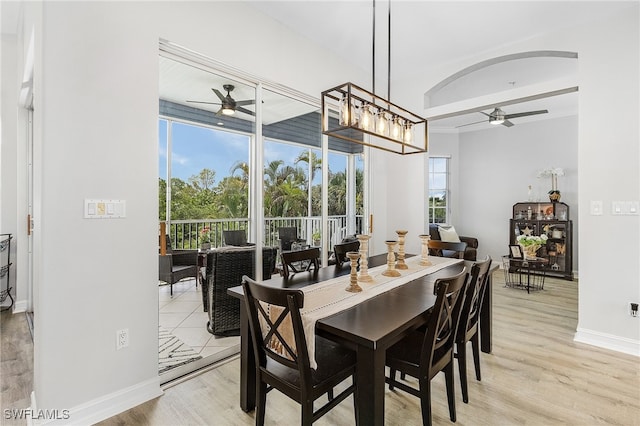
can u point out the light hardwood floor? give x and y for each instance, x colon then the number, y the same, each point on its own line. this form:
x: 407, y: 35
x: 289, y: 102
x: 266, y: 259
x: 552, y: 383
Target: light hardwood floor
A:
x: 536, y: 375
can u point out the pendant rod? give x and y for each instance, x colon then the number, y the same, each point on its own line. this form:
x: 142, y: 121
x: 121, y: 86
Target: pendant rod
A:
x: 373, y: 51
x: 389, y: 55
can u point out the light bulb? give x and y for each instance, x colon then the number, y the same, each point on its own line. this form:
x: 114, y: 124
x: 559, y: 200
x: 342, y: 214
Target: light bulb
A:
x: 382, y: 123
x: 408, y: 134
x: 344, y: 111
x: 366, y: 118
x: 396, y: 129
x: 355, y: 115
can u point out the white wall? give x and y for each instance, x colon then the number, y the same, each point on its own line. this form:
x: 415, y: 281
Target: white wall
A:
x: 96, y: 133
x: 498, y: 164
x: 608, y: 160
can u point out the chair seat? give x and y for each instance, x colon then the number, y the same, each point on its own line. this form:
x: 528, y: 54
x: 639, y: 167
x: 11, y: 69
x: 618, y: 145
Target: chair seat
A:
x: 332, y: 359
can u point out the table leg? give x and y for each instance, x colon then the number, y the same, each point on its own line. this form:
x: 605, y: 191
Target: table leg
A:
x: 370, y: 386
x: 247, y: 364
x: 486, y: 318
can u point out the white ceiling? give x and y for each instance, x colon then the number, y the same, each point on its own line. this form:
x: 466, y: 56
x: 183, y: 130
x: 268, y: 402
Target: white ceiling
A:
x: 444, y: 32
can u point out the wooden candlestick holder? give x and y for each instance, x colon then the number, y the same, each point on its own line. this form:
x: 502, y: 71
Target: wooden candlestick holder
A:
x: 424, y: 255
x: 391, y: 260
x: 364, y: 262
x: 400, y: 264
x: 353, y: 286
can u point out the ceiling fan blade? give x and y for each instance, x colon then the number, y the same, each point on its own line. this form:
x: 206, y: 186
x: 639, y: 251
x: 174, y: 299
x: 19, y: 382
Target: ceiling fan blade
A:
x: 220, y: 95
x: 245, y: 102
x: 244, y: 110
x: 469, y: 124
x: 524, y: 114
x: 201, y: 102
x: 482, y: 112
x: 507, y: 123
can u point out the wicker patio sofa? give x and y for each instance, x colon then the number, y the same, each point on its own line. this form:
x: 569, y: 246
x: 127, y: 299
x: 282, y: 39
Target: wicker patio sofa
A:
x: 224, y: 269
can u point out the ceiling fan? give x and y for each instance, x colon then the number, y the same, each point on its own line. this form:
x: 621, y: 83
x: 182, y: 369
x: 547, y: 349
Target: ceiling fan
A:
x: 498, y: 116
x: 228, y: 105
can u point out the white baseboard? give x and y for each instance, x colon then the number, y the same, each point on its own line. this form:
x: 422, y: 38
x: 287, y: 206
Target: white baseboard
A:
x: 20, y: 306
x: 608, y: 341
x: 102, y: 408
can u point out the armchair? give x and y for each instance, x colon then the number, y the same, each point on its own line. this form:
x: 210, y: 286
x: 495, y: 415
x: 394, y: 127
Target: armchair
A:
x: 470, y: 253
x: 177, y: 265
x: 225, y: 267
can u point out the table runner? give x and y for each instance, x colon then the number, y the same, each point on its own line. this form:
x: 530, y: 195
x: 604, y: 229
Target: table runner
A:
x: 329, y: 297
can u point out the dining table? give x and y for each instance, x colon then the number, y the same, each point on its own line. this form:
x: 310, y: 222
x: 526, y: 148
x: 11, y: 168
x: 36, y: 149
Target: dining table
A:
x: 368, y: 328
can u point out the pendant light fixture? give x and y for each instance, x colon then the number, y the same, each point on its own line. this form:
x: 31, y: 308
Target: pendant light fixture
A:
x: 368, y: 119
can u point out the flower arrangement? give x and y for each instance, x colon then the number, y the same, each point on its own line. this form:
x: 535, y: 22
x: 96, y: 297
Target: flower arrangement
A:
x: 530, y: 244
x: 205, y: 235
x: 530, y: 240
x: 553, y: 172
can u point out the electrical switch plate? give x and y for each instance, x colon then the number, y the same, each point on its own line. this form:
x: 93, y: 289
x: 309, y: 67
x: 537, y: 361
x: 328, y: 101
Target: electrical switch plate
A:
x: 104, y: 208
x: 596, y: 208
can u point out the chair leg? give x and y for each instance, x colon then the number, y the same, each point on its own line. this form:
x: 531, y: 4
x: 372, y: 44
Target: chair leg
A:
x: 307, y: 413
x: 449, y: 380
x: 392, y: 377
x: 462, y: 368
x: 355, y: 398
x: 330, y: 394
x: 261, y: 403
x: 403, y: 376
x: 171, y: 288
x: 475, y: 343
x: 425, y: 401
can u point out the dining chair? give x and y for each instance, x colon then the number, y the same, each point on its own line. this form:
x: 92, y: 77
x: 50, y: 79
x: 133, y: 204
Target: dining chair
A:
x: 300, y: 260
x: 340, y: 251
x: 281, y: 354
x: 443, y: 248
x: 288, y: 235
x: 468, y: 325
x: 424, y: 353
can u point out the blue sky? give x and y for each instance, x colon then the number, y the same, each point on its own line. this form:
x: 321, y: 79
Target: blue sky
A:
x: 195, y: 148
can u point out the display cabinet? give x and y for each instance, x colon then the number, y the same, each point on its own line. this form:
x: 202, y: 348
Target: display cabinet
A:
x: 5, y: 272
x: 552, y: 220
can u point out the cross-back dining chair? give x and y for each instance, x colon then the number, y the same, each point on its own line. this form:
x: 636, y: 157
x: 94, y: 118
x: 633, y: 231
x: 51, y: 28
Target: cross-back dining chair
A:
x: 282, y: 357
x: 424, y: 353
x: 340, y: 251
x: 300, y: 261
x: 438, y: 248
x: 468, y: 326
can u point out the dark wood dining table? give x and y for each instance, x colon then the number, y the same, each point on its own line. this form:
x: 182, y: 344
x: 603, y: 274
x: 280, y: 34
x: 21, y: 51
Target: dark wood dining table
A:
x: 369, y: 328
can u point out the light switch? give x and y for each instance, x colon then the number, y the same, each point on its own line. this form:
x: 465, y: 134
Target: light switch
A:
x: 633, y: 207
x: 596, y: 208
x: 617, y: 207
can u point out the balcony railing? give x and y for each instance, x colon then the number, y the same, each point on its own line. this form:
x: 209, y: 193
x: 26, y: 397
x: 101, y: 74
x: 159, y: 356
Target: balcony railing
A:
x: 186, y: 234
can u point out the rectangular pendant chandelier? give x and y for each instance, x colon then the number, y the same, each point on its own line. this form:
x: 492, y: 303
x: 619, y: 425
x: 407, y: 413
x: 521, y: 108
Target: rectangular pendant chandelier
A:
x: 367, y: 119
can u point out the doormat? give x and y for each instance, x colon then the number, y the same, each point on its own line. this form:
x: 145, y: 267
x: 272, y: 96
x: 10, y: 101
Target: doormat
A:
x: 173, y: 352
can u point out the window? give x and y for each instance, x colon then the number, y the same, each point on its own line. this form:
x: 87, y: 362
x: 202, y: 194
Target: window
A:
x: 438, y: 189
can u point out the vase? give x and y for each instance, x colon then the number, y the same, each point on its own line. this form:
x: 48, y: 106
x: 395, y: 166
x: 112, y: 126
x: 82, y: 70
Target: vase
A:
x: 205, y: 246
x: 529, y: 252
x: 554, y: 196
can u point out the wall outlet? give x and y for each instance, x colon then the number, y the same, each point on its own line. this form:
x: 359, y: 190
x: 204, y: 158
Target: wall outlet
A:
x: 633, y: 309
x: 122, y: 338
